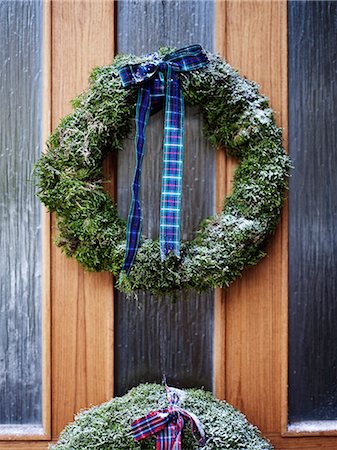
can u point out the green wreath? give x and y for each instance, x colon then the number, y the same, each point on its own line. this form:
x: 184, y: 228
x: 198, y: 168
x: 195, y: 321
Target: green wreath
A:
x: 236, y: 116
x: 108, y: 426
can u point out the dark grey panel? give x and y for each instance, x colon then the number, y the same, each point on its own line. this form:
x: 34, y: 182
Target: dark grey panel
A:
x: 20, y: 233
x: 313, y: 211
x: 158, y: 336
x: 145, y: 25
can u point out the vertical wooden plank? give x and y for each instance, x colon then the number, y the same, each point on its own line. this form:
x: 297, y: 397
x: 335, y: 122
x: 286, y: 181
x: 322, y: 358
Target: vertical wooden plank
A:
x: 255, y: 42
x: 23, y: 375
x: 219, y: 377
x: 221, y: 183
x: 46, y: 227
x: 82, y: 303
x: 174, y: 338
x: 312, y: 220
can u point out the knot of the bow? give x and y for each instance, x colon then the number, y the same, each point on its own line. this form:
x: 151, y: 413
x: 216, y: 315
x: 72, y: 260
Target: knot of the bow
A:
x: 183, y: 60
x: 167, y: 424
x: 158, y: 84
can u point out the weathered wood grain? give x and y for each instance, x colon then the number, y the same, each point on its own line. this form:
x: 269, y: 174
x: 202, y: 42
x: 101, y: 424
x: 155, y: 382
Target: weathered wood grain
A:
x: 21, y: 269
x: 312, y: 211
x: 161, y: 337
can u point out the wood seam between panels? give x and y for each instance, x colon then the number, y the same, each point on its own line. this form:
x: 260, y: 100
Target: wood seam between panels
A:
x: 220, y: 295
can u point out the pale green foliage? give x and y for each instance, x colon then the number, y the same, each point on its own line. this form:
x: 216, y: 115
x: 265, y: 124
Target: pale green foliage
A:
x: 107, y: 427
x: 236, y: 116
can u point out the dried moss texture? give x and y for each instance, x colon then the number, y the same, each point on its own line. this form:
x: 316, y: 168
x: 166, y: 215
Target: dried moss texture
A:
x: 236, y: 116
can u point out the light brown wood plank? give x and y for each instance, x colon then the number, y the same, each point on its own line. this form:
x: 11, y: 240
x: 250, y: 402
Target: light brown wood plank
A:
x: 220, y: 294
x: 256, y: 43
x: 24, y: 445
x: 302, y: 443
x: 220, y: 344
x: 82, y: 303
x: 221, y: 190
x: 46, y: 227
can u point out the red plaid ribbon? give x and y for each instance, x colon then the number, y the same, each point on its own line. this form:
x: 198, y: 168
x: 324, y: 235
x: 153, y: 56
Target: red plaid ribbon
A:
x: 167, y: 424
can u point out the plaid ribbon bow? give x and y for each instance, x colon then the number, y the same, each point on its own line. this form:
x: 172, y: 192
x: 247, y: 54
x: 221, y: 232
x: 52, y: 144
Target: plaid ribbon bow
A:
x: 158, y: 81
x: 167, y: 424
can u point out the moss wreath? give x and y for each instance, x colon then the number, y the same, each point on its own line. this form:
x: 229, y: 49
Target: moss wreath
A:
x: 71, y: 182
x: 108, y: 426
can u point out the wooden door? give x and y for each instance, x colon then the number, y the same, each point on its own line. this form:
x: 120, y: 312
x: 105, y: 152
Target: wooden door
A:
x: 250, y: 347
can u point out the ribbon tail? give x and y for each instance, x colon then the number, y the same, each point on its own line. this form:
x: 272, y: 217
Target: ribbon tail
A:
x: 196, y: 427
x: 169, y: 437
x: 178, y: 428
x: 173, y: 156
x: 134, y: 225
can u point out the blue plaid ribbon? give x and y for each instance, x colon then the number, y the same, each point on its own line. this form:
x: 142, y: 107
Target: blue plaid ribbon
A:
x: 167, y: 424
x: 157, y: 80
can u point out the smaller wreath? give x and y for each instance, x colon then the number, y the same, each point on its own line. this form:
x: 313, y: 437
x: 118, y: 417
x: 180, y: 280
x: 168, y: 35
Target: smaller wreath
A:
x: 235, y: 115
x: 108, y: 426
